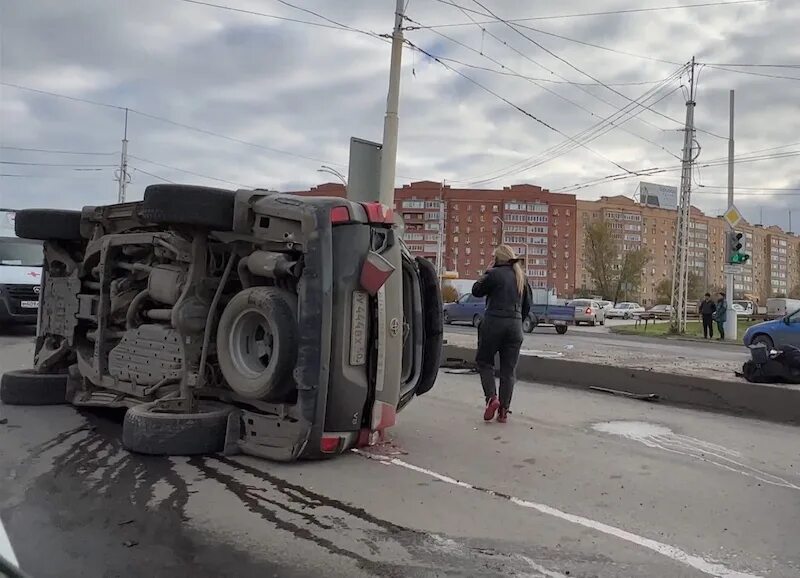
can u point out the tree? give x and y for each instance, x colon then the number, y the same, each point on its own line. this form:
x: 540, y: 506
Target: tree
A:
x: 614, y: 273
x: 694, y: 292
x: 449, y: 293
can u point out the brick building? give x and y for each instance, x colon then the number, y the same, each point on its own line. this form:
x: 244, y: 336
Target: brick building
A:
x: 772, y: 270
x: 464, y: 225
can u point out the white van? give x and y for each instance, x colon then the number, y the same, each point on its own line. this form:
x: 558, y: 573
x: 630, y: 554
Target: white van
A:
x: 20, y: 274
x: 781, y: 307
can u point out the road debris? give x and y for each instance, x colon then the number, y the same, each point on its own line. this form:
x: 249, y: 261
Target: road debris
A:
x: 639, y: 396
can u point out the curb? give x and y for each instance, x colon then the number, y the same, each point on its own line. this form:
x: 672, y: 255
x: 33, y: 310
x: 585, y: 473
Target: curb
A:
x: 771, y: 402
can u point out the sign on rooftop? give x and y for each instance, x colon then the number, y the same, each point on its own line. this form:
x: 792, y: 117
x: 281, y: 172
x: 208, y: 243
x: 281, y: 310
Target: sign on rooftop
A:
x: 662, y: 196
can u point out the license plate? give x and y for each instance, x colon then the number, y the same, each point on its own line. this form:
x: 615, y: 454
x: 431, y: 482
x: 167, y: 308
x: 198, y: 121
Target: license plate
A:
x: 29, y: 304
x: 358, y: 328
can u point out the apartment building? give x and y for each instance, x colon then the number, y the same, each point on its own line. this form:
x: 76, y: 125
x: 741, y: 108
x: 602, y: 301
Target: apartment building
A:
x: 637, y: 226
x: 459, y: 228
x: 774, y: 267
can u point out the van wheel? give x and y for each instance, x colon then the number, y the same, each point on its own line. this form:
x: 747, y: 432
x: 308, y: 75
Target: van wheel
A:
x: 257, y: 341
x: 145, y: 431
x: 528, y: 325
x: 561, y: 329
x: 446, y: 318
x: 48, y: 224
x: 26, y: 387
x: 205, y: 207
x: 477, y: 320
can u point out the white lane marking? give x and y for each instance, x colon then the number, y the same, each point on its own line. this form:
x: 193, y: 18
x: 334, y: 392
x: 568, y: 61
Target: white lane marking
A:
x: 676, y: 554
x: 663, y: 438
x: 6, y: 551
x: 539, y: 568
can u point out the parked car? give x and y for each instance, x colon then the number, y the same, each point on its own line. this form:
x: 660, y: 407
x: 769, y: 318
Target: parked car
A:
x: 624, y: 310
x: 661, y: 311
x: 280, y: 326
x: 467, y: 309
x: 605, y: 305
x: 744, y: 307
x: 778, y: 307
x: 588, y: 311
x: 775, y: 333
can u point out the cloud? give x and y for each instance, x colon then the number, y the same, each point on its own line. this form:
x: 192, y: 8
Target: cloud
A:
x: 305, y: 90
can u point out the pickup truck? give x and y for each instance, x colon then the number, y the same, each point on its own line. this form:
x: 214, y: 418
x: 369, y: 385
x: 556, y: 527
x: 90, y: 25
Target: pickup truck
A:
x: 280, y: 326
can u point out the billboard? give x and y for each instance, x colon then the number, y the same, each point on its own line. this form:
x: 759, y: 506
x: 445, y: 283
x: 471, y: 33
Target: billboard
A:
x: 661, y: 196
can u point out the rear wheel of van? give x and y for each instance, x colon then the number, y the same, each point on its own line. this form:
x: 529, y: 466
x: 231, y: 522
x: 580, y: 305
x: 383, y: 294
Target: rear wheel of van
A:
x: 765, y: 340
x: 48, y: 224
x: 528, y: 325
x: 146, y: 431
x: 26, y: 387
x: 257, y: 340
x: 205, y: 207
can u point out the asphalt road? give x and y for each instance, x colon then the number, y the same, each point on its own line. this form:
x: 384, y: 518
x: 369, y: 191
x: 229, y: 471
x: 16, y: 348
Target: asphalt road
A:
x: 576, y: 484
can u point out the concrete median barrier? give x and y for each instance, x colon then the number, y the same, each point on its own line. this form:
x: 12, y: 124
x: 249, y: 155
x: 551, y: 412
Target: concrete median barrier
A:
x: 778, y: 402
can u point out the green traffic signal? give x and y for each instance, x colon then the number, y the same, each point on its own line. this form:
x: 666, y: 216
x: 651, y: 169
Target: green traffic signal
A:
x: 735, y: 254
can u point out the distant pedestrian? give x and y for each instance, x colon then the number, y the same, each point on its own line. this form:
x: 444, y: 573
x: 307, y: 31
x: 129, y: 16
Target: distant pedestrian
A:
x: 721, y: 315
x: 508, y: 302
x: 706, y: 310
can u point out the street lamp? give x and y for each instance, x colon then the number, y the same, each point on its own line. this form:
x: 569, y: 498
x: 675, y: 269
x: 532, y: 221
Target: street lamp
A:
x: 334, y: 172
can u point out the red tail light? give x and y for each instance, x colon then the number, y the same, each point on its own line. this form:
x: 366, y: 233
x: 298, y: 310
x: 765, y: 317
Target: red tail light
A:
x: 374, y: 273
x: 330, y: 444
x: 340, y: 215
x: 378, y: 213
x: 588, y: 311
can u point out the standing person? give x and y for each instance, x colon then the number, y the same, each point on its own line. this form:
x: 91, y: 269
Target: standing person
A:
x: 508, y: 302
x: 706, y: 310
x: 721, y: 315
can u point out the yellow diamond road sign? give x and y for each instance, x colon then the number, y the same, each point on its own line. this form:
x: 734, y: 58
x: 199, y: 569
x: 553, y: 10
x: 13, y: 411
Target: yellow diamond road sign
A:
x: 732, y: 216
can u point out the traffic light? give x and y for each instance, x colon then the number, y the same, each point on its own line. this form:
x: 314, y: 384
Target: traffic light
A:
x: 735, y: 253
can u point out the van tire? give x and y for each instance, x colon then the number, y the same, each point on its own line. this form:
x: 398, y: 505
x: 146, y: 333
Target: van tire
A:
x: 259, y: 317
x: 48, y: 225
x: 145, y: 431
x: 206, y: 207
x: 26, y: 387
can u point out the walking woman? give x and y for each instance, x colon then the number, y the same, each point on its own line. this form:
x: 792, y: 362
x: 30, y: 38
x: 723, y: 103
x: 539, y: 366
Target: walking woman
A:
x: 508, y: 302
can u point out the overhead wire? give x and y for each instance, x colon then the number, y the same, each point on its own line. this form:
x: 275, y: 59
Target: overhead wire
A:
x: 58, y: 152
x: 568, y: 63
x: 604, y: 13
x: 188, y: 172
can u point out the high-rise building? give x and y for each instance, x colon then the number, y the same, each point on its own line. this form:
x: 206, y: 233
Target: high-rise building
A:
x: 459, y: 228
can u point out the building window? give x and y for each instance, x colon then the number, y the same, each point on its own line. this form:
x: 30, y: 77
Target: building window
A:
x: 483, y: 208
x: 495, y: 208
x: 555, y: 211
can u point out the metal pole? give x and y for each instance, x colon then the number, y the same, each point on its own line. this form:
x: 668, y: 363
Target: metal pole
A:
x: 730, y: 320
x: 390, y: 122
x: 680, y: 270
x: 123, y: 163
x: 439, y: 246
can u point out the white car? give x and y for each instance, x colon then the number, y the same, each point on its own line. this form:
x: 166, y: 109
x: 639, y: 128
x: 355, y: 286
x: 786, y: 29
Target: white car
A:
x: 625, y: 310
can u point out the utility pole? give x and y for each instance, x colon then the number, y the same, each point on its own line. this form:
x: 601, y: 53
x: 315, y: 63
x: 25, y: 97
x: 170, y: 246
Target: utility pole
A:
x: 440, y: 243
x: 122, y: 174
x: 390, y: 122
x: 731, y: 323
x: 680, y: 281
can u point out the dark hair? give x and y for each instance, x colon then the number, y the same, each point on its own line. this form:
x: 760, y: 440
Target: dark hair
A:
x: 708, y: 294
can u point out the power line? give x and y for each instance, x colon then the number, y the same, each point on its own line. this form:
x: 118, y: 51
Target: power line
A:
x: 174, y: 168
x: 172, y: 122
x: 160, y: 178
x: 606, y: 13
x: 751, y: 73
x: 34, y: 164
x: 568, y: 63
x: 264, y: 15
x: 59, y: 152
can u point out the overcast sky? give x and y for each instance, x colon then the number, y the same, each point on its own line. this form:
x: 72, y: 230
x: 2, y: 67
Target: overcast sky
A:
x: 294, y: 88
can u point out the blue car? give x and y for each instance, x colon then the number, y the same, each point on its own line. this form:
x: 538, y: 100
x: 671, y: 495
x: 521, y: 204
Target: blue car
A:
x: 468, y: 309
x: 775, y: 333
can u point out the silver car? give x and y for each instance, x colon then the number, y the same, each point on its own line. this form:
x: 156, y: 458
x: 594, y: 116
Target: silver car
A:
x: 588, y: 311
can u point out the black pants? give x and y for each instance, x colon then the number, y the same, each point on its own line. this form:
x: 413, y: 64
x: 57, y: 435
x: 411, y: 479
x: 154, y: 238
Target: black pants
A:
x: 708, y: 326
x: 504, y: 336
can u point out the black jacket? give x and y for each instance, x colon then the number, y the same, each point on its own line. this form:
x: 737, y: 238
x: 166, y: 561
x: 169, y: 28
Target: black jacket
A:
x: 707, y: 307
x: 499, y: 286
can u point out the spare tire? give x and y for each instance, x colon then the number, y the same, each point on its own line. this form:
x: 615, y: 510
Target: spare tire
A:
x: 205, y: 207
x: 145, y: 431
x: 257, y: 340
x: 48, y: 224
x: 26, y: 387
